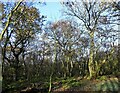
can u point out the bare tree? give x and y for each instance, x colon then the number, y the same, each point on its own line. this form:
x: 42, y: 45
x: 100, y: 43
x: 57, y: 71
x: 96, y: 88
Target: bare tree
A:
x: 90, y: 14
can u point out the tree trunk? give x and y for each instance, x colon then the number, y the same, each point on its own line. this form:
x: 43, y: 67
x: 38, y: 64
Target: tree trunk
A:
x: 16, y: 74
x: 118, y: 57
x: 3, y: 60
x: 71, y: 68
x: 16, y: 68
x: 54, y: 59
x: 63, y: 69
x: 91, y: 64
x: 67, y: 59
x: 25, y: 65
x: 50, y: 84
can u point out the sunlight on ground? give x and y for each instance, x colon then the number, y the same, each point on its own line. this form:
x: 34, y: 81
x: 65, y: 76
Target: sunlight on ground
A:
x: 107, y: 84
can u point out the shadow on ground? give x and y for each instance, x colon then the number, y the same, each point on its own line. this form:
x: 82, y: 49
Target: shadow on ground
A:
x: 111, y: 84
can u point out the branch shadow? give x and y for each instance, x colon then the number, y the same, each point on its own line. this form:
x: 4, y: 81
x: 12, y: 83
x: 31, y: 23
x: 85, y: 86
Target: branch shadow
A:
x: 110, y: 85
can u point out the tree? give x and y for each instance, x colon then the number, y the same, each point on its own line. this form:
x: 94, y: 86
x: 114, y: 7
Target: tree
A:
x: 90, y: 15
x: 66, y: 36
x: 9, y: 19
x: 25, y: 23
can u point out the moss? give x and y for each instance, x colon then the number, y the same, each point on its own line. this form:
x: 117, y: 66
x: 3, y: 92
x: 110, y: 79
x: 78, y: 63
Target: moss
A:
x: 107, y: 85
x: 103, y: 78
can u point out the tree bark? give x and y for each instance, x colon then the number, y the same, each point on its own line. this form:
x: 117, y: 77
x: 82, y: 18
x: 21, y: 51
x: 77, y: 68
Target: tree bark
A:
x: 91, y: 64
x: 16, y: 68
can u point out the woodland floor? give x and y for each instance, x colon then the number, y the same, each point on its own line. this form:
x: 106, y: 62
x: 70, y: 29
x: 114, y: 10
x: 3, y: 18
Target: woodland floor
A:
x: 107, y: 84
x: 77, y: 84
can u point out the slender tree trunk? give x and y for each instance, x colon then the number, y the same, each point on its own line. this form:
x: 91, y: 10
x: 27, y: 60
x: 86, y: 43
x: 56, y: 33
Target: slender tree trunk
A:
x: 26, y: 69
x: 9, y: 19
x: 67, y: 59
x: 63, y: 69
x: 3, y: 55
x: 71, y: 68
x: 3, y: 60
x: 54, y: 59
x: 17, y: 68
x: 50, y: 84
x: 91, y: 64
x: 118, y: 57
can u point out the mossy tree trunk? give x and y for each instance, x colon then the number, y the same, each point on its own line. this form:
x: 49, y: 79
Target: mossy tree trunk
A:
x: 91, y: 64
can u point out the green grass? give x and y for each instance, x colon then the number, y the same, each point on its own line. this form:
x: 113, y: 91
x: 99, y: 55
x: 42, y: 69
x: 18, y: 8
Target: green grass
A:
x: 107, y: 85
x: 103, y: 83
